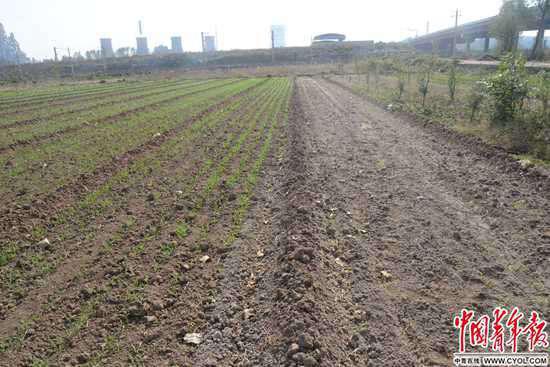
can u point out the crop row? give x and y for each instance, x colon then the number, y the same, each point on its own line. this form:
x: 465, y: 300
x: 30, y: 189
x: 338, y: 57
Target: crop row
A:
x: 246, y: 189
x: 54, y: 113
x: 206, y: 234
x: 15, y: 217
x: 100, y: 203
x: 200, y: 227
x: 47, y: 166
x: 32, y: 110
x: 40, y: 129
x: 27, y: 97
x: 141, y: 168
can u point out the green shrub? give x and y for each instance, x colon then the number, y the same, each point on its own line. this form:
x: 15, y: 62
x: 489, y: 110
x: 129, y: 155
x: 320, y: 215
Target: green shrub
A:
x: 541, y: 92
x: 424, y: 82
x: 507, y: 90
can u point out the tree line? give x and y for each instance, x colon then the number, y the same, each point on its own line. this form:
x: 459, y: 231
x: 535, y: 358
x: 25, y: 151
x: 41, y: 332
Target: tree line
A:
x: 514, y: 16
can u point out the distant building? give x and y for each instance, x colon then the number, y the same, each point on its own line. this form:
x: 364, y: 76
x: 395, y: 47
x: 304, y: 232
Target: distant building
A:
x: 142, y: 48
x: 278, y: 36
x: 208, y: 43
x: 106, y: 47
x: 177, y: 46
x: 161, y: 50
x: 329, y: 38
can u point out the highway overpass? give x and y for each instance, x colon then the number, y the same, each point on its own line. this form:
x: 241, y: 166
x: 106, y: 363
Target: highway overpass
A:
x: 465, y: 34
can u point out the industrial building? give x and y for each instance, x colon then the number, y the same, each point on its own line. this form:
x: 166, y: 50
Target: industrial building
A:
x: 177, y: 45
x: 142, y: 47
x: 208, y: 42
x: 329, y: 38
x: 106, y: 47
x: 278, y: 36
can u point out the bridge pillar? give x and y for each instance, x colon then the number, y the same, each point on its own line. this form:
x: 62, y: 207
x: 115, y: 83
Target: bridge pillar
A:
x: 487, y: 44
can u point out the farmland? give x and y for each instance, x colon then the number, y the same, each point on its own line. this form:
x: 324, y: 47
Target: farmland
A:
x: 253, y: 221
x: 135, y: 175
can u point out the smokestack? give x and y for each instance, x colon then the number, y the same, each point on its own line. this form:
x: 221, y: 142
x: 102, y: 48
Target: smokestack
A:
x: 140, y: 28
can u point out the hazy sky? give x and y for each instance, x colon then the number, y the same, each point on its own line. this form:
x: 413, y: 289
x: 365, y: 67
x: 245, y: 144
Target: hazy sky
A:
x: 39, y: 25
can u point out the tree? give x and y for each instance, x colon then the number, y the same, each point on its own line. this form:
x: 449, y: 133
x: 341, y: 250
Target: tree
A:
x: 123, y: 52
x: 93, y: 55
x: 513, y: 15
x: 10, y: 51
x: 3, y: 43
x: 543, y: 10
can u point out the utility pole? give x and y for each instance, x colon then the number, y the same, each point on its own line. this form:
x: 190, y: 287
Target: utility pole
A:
x: 272, y: 47
x: 55, y: 53
x: 455, y: 33
x: 428, y: 27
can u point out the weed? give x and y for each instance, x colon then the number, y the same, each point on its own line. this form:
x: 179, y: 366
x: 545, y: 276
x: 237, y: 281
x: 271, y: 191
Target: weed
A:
x: 168, y: 249
x: 182, y: 231
x: 38, y: 233
x: 138, y: 249
x: 8, y: 253
x: 15, y: 342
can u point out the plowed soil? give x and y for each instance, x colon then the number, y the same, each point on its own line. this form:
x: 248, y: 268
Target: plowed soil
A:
x: 379, y: 230
x: 367, y: 232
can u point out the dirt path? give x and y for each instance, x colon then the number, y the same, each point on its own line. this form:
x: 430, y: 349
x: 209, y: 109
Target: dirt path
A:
x: 377, y: 233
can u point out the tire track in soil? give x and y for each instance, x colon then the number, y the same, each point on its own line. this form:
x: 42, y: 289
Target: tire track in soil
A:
x: 103, y: 120
x: 16, y: 217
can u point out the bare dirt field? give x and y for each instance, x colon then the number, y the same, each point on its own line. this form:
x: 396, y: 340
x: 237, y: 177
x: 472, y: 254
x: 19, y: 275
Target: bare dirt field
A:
x: 334, y: 234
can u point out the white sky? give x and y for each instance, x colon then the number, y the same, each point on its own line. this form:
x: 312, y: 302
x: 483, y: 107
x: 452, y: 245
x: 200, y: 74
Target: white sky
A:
x: 39, y: 25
